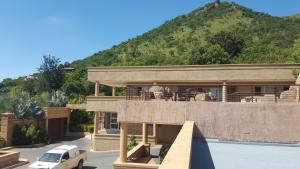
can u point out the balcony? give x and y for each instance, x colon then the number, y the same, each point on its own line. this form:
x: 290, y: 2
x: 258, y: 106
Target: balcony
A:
x: 103, y: 103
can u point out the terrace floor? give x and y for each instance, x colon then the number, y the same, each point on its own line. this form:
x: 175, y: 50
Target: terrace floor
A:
x: 213, y: 154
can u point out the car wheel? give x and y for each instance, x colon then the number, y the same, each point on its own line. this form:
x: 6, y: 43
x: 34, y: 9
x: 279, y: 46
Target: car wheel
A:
x: 80, y: 165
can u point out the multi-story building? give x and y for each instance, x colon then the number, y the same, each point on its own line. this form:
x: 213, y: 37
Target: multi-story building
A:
x: 257, y: 102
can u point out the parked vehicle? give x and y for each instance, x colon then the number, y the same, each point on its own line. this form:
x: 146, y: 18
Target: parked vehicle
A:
x: 62, y: 157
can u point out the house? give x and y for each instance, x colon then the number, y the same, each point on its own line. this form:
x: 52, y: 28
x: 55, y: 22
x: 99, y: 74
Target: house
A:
x: 174, y: 104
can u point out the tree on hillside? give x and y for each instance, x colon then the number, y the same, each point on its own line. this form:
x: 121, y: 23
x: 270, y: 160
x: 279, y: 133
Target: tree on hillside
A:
x: 51, y: 73
x: 212, y: 54
x: 296, y: 51
x: 229, y: 41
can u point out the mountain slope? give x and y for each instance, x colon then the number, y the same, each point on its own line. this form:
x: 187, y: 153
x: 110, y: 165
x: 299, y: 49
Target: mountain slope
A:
x: 199, y: 34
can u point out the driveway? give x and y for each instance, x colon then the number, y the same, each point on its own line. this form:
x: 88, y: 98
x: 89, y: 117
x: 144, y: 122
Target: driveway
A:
x: 103, y: 160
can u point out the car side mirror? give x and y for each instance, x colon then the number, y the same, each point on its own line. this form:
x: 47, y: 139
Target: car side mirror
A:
x: 63, y: 160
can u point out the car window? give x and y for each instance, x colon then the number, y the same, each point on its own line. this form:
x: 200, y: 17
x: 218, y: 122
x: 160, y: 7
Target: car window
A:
x: 50, y: 157
x: 66, y: 156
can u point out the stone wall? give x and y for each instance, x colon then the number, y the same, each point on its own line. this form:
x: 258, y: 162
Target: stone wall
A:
x: 8, y: 122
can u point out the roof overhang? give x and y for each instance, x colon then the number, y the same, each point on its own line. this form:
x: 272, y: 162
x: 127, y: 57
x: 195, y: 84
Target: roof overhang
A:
x: 194, y: 74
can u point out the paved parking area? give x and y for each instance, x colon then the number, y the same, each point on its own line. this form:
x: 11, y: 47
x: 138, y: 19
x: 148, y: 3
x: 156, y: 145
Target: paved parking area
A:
x: 103, y: 160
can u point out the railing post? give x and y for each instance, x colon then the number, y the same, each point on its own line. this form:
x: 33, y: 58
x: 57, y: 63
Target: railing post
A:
x: 123, y: 142
x: 224, y: 92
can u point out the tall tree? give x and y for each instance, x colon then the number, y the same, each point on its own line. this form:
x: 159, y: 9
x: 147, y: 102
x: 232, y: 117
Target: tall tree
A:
x: 52, y: 75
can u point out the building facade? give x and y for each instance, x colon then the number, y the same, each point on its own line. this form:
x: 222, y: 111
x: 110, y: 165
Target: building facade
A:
x: 177, y: 89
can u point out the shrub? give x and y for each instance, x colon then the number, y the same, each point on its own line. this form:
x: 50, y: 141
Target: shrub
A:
x: 132, y: 143
x: 27, y: 135
x: 24, y: 106
x: 79, y: 119
x: 58, y: 99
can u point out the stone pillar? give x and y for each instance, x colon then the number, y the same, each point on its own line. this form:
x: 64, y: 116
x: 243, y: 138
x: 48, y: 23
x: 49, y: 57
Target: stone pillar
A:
x: 145, y: 133
x: 113, y: 91
x: 7, y: 128
x: 97, y: 90
x: 123, y: 142
x: 154, y: 133
x: 96, y: 122
x: 224, y: 92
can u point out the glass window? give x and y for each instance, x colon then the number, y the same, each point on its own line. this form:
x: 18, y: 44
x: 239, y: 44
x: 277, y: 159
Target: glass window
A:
x: 50, y: 157
x: 109, y: 121
x: 66, y: 156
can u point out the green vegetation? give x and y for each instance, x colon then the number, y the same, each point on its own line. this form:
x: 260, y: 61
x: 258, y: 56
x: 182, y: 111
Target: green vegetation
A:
x: 81, y: 121
x: 238, y: 34
x: 27, y: 135
x: 132, y: 143
x: 213, y: 34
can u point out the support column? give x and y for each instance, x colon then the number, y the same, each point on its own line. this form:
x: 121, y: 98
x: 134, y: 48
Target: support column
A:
x: 154, y: 133
x: 96, y: 122
x: 298, y: 94
x: 97, y: 88
x: 145, y: 133
x: 123, y: 142
x: 68, y: 126
x: 224, y: 92
x: 113, y: 91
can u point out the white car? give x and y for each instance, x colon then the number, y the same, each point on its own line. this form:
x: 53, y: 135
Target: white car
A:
x: 62, y: 157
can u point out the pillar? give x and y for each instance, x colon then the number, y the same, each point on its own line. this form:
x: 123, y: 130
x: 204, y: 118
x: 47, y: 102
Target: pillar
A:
x: 113, y: 91
x: 298, y: 94
x: 46, y: 124
x: 7, y: 127
x: 97, y: 88
x: 68, y: 125
x: 154, y: 133
x: 224, y: 92
x: 96, y: 122
x: 123, y: 142
x: 145, y: 133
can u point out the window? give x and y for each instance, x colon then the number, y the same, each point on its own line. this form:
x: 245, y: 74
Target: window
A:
x: 65, y: 156
x: 109, y: 121
x: 257, y: 90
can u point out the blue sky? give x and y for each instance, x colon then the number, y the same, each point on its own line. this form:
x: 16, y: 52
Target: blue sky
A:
x: 75, y: 29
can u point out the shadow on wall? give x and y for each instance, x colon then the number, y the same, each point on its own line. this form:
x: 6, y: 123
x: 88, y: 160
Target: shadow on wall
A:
x: 201, y: 157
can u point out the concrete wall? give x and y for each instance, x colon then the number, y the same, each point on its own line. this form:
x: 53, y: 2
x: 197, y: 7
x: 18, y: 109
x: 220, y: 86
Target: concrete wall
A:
x: 103, y: 103
x: 8, y: 158
x: 119, y: 76
x: 112, y: 141
x: 263, y: 122
x: 57, y: 112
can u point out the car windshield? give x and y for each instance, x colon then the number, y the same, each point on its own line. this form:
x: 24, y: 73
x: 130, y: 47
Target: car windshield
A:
x: 50, y: 157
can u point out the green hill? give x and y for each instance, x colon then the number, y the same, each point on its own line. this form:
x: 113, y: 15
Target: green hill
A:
x: 229, y: 33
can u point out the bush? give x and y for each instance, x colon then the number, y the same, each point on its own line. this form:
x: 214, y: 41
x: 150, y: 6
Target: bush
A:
x: 88, y: 128
x: 27, y: 135
x: 79, y: 119
x: 132, y: 143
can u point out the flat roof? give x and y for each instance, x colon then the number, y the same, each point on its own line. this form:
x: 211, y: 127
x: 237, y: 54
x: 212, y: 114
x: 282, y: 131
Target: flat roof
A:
x: 212, y: 66
x: 121, y: 76
x: 208, y: 154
